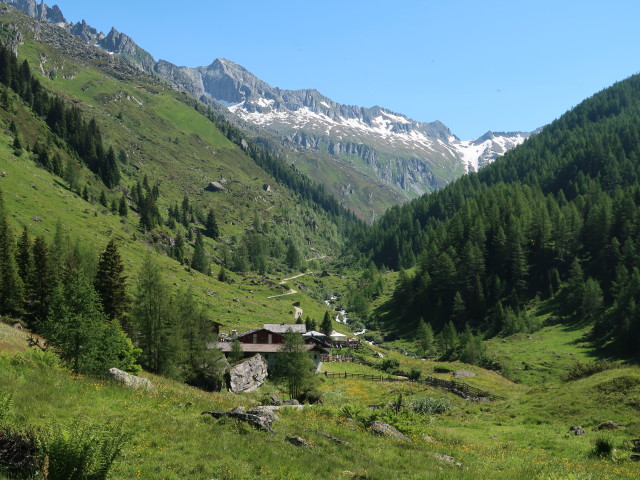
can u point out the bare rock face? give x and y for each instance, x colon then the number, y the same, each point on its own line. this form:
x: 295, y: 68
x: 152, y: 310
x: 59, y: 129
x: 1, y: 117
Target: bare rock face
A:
x: 131, y: 381
x: 387, y: 430
x: 248, y: 376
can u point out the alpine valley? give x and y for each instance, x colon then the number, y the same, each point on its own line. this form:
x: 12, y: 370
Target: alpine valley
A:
x: 369, y: 158
x: 206, y: 277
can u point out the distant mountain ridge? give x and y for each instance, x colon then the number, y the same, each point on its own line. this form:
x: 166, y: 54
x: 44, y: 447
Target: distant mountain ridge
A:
x: 371, y: 158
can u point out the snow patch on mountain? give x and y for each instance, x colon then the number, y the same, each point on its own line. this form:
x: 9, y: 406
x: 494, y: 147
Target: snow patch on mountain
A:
x: 393, y: 129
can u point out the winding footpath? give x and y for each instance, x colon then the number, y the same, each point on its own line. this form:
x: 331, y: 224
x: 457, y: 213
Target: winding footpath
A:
x: 298, y: 310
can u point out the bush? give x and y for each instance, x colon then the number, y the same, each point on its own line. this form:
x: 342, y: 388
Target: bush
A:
x: 585, y: 369
x: 430, y: 406
x: 603, y: 448
x: 18, y: 453
x: 389, y: 364
x: 81, y: 452
x: 312, y: 396
x: 357, y: 411
x: 415, y: 374
x: 373, y: 337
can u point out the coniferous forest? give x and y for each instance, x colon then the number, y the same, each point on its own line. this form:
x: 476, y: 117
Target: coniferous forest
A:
x: 557, y: 217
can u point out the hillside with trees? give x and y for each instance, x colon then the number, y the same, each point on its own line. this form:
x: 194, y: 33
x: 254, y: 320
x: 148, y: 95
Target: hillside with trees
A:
x: 556, y: 218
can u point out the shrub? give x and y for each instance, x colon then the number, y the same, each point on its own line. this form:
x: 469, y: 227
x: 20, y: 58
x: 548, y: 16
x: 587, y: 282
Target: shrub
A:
x: 415, y: 374
x: 389, y: 364
x: 603, y: 448
x: 81, y: 452
x: 312, y: 396
x: 18, y: 453
x: 585, y: 369
x: 357, y: 411
x: 430, y: 406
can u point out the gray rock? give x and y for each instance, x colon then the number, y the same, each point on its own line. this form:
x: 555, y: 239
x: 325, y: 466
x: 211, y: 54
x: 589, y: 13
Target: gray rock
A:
x: 249, y: 375
x: 27, y: 6
x: 609, y: 426
x: 290, y: 402
x: 239, y: 409
x: 464, y: 374
x: 265, y: 412
x: 260, y: 422
x: 387, y: 430
x: 298, y: 442
x: 131, y: 381
x: 332, y: 438
x: 577, y: 430
x: 274, y: 398
x: 448, y: 459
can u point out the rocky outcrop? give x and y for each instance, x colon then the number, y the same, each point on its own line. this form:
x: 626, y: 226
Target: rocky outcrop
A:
x: 249, y: 375
x: 609, y: 426
x: 85, y: 32
x: 447, y: 459
x: 30, y: 7
x: 298, y: 441
x: 54, y: 15
x: 121, y: 43
x: 387, y: 430
x: 576, y: 429
x: 130, y: 381
x: 259, y: 421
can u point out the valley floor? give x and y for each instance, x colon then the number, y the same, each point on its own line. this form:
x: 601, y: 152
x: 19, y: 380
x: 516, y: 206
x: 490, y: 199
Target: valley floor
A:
x: 524, y: 436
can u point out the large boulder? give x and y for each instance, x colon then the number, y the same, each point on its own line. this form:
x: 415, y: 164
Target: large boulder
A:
x: 249, y: 375
x: 129, y: 380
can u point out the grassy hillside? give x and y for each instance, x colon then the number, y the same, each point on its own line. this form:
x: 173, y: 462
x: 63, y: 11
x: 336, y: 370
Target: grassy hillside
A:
x: 516, y: 438
x: 166, y: 140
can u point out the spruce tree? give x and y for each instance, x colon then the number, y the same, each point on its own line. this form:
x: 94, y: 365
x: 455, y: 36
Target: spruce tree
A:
x: 200, y: 262
x: 222, y: 276
x: 44, y: 283
x: 123, y: 210
x: 11, y: 285
x: 111, y: 285
x: 211, y: 226
x: 326, y: 326
x: 25, y: 259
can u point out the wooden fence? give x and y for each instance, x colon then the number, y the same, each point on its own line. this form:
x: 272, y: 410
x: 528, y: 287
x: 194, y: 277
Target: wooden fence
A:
x: 459, y: 388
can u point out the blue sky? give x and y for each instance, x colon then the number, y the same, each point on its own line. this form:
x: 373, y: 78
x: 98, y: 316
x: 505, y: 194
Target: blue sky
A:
x: 474, y: 65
